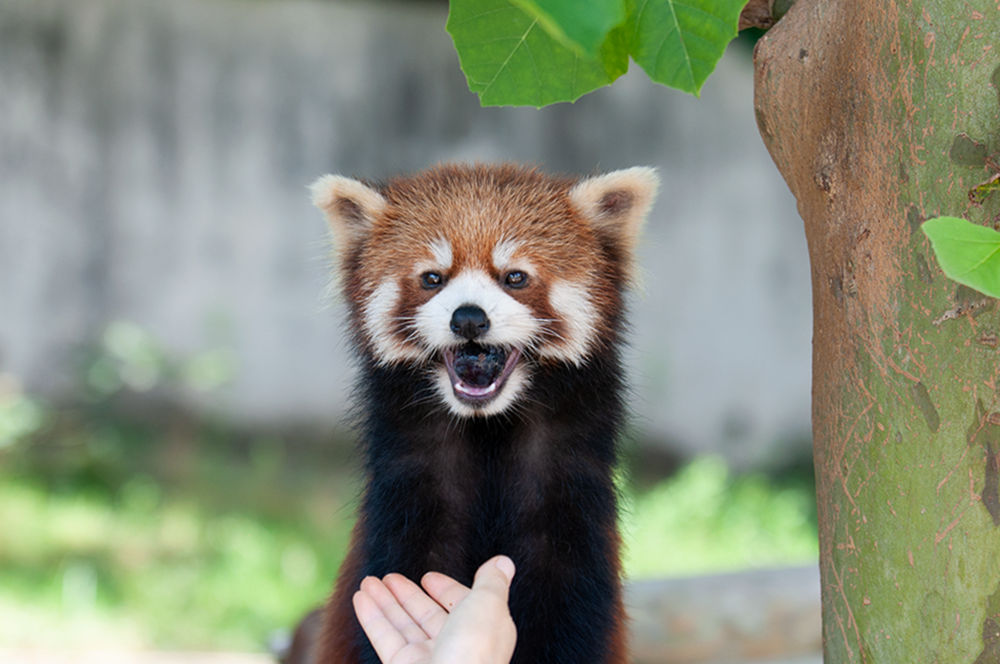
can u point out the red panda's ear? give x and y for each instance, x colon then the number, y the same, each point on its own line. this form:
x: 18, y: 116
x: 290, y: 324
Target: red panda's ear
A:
x: 350, y: 207
x: 617, y: 203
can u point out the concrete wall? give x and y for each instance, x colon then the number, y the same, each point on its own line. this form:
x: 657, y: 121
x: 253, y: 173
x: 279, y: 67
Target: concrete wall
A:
x: 154, y: 158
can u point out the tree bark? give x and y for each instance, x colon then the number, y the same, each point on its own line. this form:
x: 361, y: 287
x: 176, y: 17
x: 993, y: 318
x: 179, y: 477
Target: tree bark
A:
x: 879, y: 114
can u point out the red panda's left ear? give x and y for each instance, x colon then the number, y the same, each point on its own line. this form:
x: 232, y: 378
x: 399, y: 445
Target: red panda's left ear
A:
x: 350, y: 206
x: 617, y: 203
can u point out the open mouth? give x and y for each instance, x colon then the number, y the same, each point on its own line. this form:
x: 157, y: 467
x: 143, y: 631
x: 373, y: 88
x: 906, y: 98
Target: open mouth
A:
x: 478, y: 373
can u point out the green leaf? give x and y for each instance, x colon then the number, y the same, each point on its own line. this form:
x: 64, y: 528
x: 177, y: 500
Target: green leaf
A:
x: 968, y: 253
x: 510, y: 60
x: 580, y: 25
x: 679, y: 43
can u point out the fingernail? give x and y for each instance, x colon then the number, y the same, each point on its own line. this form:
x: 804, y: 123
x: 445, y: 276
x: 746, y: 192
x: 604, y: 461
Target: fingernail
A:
x: 506, y: 566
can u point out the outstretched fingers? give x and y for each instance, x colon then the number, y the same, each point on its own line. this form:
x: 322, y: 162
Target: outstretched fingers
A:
x: 392, y: 632
x: 452, y: 624
x: 427, y: 613
x: 393, y: 610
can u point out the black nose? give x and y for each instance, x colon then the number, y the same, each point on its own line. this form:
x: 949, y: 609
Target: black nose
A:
x: 469, y: 321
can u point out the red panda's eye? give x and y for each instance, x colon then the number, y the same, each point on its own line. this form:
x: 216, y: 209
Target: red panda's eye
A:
x: 431, y: 279
x: 516, y: 279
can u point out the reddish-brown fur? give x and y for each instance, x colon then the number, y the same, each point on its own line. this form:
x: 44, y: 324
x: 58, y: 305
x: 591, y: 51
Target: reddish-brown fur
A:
x: 339, y: 623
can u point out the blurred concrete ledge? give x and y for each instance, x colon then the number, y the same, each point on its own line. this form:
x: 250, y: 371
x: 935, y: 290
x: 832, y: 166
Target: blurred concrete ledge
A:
x: 759, y: 616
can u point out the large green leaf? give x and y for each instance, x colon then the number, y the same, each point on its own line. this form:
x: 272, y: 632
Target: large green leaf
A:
x: 538, y: 52
x: 679, y: 43
x: 510, y: 60
x: 580, y: 25
x: 968, y: 253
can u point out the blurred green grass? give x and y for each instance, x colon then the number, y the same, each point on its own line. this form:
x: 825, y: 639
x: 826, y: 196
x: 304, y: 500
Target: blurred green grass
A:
x: 162, y: 532
x: 702, y: 520
x: 85, y: 570
x: 172, y: 533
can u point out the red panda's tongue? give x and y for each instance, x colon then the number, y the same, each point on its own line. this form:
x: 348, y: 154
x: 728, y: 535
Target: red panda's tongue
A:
x: 478, y: 372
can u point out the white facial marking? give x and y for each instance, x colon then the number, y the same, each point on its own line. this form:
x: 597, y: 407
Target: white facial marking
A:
x: 441, y: 259
x: 579, y: 317
x: 378, y: 323
x: 503, y: 252
x: 441, y: 250
x: 511, y: 323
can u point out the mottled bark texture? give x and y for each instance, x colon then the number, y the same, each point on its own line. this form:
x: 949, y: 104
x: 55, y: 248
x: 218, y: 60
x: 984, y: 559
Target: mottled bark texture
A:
x: 879, y: 114
x: 756, y: 14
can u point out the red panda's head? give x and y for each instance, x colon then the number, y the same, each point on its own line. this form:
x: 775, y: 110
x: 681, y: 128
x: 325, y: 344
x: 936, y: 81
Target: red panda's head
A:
x: 481, y: 273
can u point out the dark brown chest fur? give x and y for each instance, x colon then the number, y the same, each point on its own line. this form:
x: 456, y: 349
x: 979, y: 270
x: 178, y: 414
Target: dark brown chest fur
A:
x: 445, y: 494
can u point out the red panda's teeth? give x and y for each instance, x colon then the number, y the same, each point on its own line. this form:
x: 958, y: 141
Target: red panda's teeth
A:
x: 475, y: 392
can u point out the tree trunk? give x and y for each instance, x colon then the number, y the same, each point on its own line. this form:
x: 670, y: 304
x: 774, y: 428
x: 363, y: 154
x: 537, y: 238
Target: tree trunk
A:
x: 879, y: 114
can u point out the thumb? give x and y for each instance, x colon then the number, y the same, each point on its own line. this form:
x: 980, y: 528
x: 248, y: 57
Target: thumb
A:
x: 495, y: 575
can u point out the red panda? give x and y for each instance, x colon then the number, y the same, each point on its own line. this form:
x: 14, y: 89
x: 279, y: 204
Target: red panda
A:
x: 486, y: 308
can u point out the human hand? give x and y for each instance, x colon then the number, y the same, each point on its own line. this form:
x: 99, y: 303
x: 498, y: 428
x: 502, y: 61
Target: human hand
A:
x: 447, y: 624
